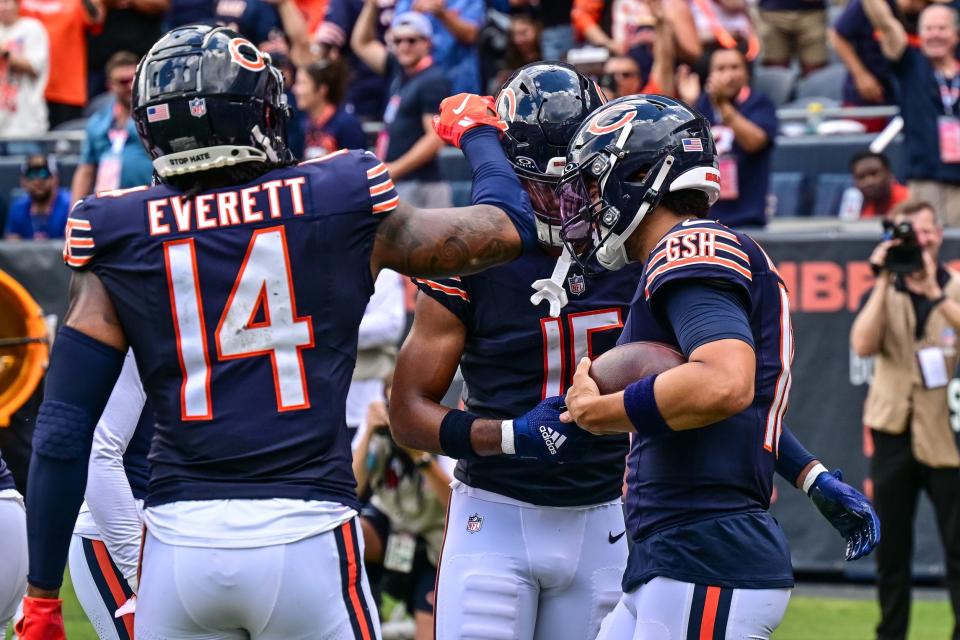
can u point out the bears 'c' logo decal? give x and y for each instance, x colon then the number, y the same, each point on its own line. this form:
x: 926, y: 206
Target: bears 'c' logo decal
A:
x: 617, y: 119
x: 243, y: 53
x: 507, y: 105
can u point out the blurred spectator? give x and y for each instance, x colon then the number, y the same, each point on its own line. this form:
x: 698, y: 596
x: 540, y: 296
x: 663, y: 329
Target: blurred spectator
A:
x: 723, y: 24
x: 929, y: 79
x: 557, y: 36
x: 792, y: 29
x: 869, y: 77
x: 621, y: 77
x: 523, y: 46
x: 456, y: 24
x: 255, y: 20
x: 403, y: 523
x: 66, y: 22
x: 744, y: 128
x: 313, y: 12
x: 380, y: 332
x: 329, y: 126
x: 24, y: 67
x: 631, y: 27
x: 42, y: 211
x: 367, y: 89
x: 113, y: 156
x: 130, y: 25
x: 408, y: 142
x: 908, y: 323
x: 880, y: 191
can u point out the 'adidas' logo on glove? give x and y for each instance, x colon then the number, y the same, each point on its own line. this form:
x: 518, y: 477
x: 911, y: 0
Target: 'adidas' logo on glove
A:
x: 552, y: 439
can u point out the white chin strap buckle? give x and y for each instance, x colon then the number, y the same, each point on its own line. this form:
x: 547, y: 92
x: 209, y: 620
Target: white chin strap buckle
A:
x: 551, y: 289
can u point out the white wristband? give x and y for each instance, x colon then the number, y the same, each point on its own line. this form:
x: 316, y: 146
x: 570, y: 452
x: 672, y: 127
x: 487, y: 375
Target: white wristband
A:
x: 812, y: 477
x: 506, y: 438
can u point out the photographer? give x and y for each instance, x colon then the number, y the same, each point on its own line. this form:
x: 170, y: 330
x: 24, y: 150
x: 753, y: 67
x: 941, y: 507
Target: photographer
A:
x: 403, y: 522
x: 908, y: 324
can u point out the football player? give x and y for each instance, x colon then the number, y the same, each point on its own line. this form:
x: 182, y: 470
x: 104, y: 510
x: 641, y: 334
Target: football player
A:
x: 708, y: 560
x: 105, y: 548
x: 564, y: 577
x: 240, y: 282
x: 13, y: 532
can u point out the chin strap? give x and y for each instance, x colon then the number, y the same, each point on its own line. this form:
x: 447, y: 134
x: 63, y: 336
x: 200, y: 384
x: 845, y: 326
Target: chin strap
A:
x: 613, y: 254
x: 551, y: 289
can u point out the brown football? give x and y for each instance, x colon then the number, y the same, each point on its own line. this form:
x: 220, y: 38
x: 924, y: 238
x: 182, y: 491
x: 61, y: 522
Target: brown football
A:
x: 627, y: 363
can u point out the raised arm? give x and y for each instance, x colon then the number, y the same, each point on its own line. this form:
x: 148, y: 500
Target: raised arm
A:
x: 85, y: 362
x: 891, y: 34
x: 364, y: 41
x: 459, y: 241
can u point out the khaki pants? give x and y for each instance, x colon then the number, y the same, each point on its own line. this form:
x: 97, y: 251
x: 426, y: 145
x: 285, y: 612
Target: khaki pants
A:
x: 785, y: 34
x: 943, y: 196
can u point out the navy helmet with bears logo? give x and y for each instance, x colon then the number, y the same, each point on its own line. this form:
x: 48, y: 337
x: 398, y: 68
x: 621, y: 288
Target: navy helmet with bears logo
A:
x: 205, y: 98
x: 543, y: 104
x: 621, y: 162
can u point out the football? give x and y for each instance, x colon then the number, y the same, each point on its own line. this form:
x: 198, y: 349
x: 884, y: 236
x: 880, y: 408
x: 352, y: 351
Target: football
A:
x: 627, y: 363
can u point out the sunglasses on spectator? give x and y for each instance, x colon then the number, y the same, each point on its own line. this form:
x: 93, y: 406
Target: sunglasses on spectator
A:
x: 37, y: 173
x: 126, y: 82
x: 624, y: 74
x: 411, y: 40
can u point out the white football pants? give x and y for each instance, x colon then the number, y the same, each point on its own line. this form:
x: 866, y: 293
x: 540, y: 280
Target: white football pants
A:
x: 315, y: 588
x: 100, y: 588
x: 13, y: 557
x: 525, y: 572
x: 665, y: 609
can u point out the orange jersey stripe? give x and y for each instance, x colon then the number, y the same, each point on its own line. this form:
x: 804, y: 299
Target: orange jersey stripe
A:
x: 381, y: 188
x: 717, y: 232
x: 378, y: 170
x: 723, y: 262
x: 450, y: 291
x: 389, y: 205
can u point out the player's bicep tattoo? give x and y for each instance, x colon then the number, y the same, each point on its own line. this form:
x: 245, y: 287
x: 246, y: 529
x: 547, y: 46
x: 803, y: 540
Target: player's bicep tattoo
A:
x: 445, y: 242
x: 92, y: 312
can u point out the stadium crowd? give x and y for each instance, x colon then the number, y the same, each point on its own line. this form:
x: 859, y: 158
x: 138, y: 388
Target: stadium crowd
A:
x: 370, y: 74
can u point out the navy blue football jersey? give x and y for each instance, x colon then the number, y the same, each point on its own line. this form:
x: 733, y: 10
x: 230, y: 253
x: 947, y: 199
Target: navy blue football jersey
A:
x: 517, y: 354
x: 6, y: 478
x: 697, y: 500
x: 242, y: 307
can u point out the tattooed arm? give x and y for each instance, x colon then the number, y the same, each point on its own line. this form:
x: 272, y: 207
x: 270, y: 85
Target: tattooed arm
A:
x: 444, y: 242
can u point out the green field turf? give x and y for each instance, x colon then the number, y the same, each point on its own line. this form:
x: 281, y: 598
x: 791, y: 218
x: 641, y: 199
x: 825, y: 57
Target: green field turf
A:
x: 807, y: 619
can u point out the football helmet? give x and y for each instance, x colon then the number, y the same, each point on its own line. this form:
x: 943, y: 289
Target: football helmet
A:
x: 543, y: 103
x: 204, y: 98
x: 621, y: 162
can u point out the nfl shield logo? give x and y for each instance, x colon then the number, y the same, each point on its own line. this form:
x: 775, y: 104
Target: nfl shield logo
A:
x: 198, y: 107
x: 576, y: 284
x: 474, y: 523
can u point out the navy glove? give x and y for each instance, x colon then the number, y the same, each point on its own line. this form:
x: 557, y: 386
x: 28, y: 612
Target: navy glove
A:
x: 848, y: 511
x: 539, y: 434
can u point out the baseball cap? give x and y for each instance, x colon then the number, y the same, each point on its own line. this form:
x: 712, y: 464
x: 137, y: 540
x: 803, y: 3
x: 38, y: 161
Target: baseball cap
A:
x: 37, y: 164
x: 413, y: 21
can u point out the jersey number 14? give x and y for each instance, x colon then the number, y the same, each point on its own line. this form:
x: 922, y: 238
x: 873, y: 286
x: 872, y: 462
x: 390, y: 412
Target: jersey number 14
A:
x: 263, y: 289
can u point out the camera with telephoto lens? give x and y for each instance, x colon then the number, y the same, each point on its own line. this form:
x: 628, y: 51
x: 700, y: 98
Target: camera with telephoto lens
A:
x: 906, y: 257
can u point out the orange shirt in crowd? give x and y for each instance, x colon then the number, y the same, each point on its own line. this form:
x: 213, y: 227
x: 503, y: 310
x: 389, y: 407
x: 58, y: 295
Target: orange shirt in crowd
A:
x: 898, y: 193
x: 66, y: 22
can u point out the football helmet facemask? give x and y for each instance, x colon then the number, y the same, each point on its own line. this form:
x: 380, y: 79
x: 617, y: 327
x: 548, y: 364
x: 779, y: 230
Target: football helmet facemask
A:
x: 543, y: 103
x: 621, y: 162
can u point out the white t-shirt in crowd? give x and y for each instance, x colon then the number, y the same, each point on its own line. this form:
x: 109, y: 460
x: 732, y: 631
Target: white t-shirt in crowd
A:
x: 23, y: 110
